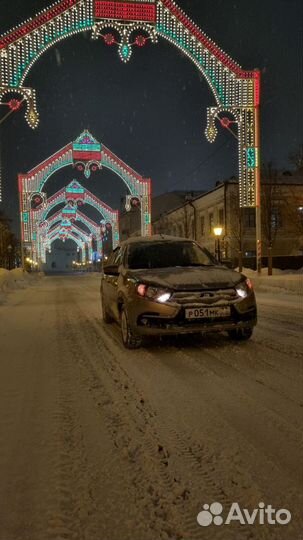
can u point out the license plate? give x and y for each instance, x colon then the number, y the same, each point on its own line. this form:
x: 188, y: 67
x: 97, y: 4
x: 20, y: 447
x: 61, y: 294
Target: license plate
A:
x: 207, y: 313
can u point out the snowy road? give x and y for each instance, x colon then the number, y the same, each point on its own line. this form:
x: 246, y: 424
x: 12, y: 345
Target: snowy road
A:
x: 100, y: 443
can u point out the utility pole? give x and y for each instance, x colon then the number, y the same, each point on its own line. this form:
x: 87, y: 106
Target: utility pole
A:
x: 258, y: 184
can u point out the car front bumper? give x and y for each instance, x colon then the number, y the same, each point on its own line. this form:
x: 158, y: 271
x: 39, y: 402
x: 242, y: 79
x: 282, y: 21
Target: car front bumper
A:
x: 148, y: 318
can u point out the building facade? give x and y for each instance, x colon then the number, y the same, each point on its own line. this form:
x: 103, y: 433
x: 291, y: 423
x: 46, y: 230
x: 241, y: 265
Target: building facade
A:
x: 282, y: 219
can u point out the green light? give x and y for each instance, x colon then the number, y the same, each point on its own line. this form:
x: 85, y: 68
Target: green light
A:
x: 125, y: 51
x: 251, y: 158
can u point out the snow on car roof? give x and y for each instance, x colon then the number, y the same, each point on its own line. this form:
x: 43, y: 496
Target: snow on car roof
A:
x: 154, y: 238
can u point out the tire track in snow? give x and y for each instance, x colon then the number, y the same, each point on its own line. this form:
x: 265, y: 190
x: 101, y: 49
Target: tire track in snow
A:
x: 184, y: 447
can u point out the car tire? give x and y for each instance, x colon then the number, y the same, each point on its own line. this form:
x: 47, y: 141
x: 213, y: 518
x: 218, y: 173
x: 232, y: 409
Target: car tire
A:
x: 130, y: 341
x: 107, y: 319
x: 241, y: 334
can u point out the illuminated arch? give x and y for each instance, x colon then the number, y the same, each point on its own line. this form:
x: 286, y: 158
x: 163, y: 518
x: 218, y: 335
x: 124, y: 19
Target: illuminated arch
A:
x: 40, y: 223
x: 65, y: 231
x: 59, y: 216
x: 68, y: 213
x: 47, y: 246
x: 89, y: 155
x: 236, y: 91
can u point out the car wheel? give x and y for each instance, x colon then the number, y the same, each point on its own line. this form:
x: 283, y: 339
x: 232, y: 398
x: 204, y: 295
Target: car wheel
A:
x: 242, y: 334
x: 107, y: 319
x: 130, y: 341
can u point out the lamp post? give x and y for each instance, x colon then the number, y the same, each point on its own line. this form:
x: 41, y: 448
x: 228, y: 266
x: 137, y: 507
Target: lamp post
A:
x: 218, y: 233
x: 9, y: 251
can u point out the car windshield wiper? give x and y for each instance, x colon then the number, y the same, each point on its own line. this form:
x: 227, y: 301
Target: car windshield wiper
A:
x: 199, y: 264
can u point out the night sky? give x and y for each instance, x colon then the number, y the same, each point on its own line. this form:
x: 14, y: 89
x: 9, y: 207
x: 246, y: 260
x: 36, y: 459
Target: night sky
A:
x: 152, y: 111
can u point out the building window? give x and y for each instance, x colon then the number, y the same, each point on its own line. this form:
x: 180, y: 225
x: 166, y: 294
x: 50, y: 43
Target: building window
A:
x: 193, y: 229
x: 221, y: 217
x: 202, y: 225
x: 211, y: 222
x: 276, y: 219
x: 249, y: 217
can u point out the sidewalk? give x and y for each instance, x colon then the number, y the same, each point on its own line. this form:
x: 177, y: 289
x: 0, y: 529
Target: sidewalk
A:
x: 281, y: 281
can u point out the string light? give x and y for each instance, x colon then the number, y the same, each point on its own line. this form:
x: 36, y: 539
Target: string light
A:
x: 235, y: 90
x: 84, y: 151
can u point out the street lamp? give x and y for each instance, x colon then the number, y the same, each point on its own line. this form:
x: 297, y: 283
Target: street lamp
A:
x: 218, y: 233
x: 9, y: 251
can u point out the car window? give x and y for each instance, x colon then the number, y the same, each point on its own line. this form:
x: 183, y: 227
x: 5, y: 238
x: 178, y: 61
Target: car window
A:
x: 167, y: 254
x: 111, y: 258
x: 118, y: 257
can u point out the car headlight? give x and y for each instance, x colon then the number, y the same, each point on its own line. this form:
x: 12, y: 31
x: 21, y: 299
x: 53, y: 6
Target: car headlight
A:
x: 244, y: 288
x: 153, y: 293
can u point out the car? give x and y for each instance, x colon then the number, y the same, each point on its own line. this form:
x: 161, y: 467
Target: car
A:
x: 162, y: 285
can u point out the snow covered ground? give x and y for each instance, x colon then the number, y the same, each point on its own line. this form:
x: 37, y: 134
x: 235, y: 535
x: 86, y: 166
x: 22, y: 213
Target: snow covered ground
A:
x: 15, y: 279
x: 100, y: 443
x: 280, y: 281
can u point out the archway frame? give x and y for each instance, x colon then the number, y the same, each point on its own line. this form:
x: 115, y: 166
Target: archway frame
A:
x: 40, y: 222
x: 80, y: 244
x: 61, y: 216
x: 89, y: 155
x: 236, y: 91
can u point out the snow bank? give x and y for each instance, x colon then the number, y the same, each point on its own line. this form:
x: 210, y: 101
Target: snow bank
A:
x: 290, y: 281
x: 15, y: 279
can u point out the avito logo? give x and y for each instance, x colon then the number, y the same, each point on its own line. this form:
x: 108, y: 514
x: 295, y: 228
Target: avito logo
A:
x: 263, y: 515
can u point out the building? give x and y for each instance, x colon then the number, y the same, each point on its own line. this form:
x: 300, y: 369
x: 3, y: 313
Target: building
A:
x: 282, y: 220
x: 130, y: 221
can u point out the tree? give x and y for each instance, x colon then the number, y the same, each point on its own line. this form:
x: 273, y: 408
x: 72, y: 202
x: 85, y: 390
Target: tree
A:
x: 235, y: 227
x: 8, y: 242
x: 271, y: 208
x: 296, y: 158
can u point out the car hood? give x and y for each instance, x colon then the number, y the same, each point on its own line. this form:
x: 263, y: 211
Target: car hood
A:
x: 191, y: 278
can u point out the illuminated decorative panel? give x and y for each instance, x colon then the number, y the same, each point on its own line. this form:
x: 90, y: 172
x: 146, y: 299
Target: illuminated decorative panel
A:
x: 126, y: 11
x: 75, y: 194
x: 33, y: 24
x: 130, y: 25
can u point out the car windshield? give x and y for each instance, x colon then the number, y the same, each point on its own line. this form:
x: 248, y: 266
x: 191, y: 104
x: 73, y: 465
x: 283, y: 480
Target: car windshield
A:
x: 167, y: 255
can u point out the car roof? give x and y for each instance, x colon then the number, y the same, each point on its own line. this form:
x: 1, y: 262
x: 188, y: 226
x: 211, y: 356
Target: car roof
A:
x: 154, y: 239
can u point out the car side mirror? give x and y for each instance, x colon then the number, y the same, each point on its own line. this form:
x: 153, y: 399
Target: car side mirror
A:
x: 111, y: 270
x: 229, y: 264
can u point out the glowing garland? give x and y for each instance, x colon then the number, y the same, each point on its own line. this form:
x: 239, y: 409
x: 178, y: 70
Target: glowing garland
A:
x: 87, y: 155
x: 70, y: 214
x: 136, y: 22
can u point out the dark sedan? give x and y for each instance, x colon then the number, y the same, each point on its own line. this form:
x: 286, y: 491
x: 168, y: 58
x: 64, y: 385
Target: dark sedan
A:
x: 166, y: 285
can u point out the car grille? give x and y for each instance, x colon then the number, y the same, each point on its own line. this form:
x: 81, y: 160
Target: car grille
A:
x: 205, y: 298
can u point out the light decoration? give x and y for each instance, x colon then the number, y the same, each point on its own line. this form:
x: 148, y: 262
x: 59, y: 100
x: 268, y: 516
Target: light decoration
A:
x: 71, y: 213
x: 91, y: 155
x: 235, y: 91
x: 63, y: 231
x: 70, y: 235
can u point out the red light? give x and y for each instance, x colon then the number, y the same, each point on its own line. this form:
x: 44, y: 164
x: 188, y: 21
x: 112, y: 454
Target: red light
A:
x: 109, y: 39
x: 249, y: 284
x: 14, y: 104
x: 225, y: 122
x: 141, y: 289
x: 140, y: 41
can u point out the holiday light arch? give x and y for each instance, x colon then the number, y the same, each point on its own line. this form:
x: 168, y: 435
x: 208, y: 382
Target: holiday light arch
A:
x: 87, y: 155
x: 64, y: 231
x: 81, y: 246
x: 71, y: 195
x: 68, y: 214
x: 236, y: 91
